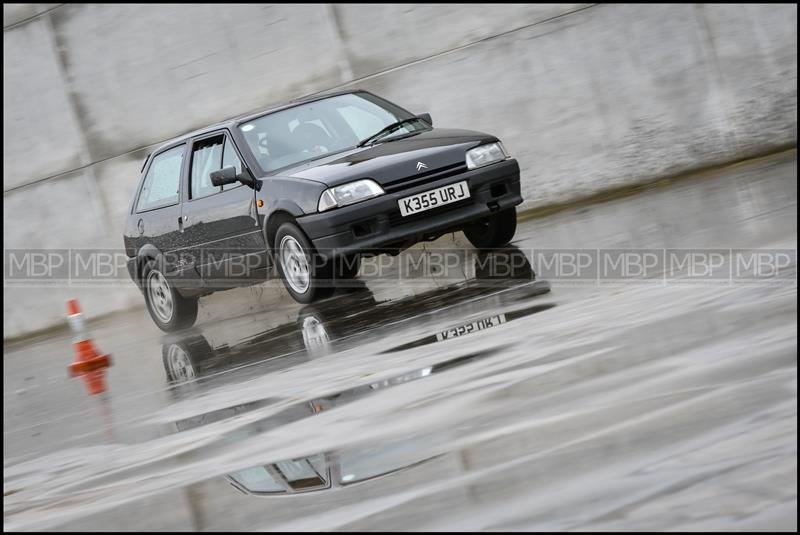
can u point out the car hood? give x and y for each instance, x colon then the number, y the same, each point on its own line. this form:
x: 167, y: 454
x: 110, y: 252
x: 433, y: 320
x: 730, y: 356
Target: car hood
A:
x: 389, y: 161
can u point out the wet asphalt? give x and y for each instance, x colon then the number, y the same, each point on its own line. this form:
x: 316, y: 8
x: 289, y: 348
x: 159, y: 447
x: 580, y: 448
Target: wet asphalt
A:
x: 498, y: 391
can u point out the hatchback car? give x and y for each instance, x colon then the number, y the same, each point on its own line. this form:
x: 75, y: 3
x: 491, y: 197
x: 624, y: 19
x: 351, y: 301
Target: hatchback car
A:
x: 305, y: 190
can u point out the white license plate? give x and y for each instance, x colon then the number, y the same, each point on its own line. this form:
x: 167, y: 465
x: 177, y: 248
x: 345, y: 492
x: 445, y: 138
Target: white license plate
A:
x: 433, y: 198
x: 481, y: 324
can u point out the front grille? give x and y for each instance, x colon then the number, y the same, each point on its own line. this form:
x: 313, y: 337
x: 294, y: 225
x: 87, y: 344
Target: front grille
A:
x: 422, y: 178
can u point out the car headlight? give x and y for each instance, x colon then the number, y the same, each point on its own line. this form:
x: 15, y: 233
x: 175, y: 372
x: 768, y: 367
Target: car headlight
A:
x: 351, y: 193
x: 485, y: 155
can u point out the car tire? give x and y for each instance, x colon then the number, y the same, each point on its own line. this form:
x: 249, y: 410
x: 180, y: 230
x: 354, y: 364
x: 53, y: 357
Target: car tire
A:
x: 495, y: 230
x: 306, y: 276
x: 314, y: 331
x: 170, y: 311
x: 184, y: 358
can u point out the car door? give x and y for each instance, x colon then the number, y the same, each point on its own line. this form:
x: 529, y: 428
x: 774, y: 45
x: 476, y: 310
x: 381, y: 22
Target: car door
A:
x: 158, y: 208
x: 220, y: 223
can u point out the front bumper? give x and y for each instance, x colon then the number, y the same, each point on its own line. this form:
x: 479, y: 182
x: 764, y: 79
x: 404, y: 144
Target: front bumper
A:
x: 376, y: 225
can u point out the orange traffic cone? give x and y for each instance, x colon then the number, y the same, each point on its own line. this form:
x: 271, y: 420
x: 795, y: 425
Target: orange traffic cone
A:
x: 88, y: 364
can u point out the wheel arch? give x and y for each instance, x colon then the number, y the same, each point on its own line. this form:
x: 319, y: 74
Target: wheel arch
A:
x: 146, y: 253
x: 275, y: 220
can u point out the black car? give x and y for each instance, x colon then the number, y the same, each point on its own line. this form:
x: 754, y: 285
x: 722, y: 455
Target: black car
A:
x: 307, y: 189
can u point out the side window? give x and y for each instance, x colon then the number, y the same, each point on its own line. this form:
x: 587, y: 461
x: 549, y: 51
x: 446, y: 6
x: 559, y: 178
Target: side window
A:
x: 206, y: 157
x: 210, y: 155
x: 229, y: 157
x: 162, y: 183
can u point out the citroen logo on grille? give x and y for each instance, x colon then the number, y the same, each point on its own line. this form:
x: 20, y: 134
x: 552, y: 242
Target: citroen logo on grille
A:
x: 421, y: 166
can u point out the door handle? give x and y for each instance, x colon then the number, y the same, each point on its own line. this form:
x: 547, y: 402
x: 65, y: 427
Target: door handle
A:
x: 140, y: 226
x: 182, y: 220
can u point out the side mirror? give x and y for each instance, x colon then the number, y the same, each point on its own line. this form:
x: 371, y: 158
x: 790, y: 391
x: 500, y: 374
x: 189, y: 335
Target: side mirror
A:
x: 426, y: 117
x: 226, y: 175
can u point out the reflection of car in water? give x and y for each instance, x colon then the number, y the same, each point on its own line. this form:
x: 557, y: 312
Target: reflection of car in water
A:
x: 331, y: 469
x: 324, y: 471
x: 334, y: 468
x: 347, y: 320
x: 193, y: 354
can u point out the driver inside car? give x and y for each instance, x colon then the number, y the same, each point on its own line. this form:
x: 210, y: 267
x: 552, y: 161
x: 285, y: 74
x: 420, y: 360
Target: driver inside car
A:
x: 312, y: 138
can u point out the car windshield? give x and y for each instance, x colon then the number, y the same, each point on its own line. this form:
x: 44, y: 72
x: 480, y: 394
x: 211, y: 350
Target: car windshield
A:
x: 316, y: 129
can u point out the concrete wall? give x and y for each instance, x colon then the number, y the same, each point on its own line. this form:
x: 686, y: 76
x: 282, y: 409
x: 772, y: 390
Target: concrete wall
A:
x: 587, y: 97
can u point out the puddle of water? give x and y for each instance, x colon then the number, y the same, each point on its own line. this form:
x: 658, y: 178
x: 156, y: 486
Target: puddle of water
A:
x: 329, y: 469
x: 472, y: 327
x: 343, y: 322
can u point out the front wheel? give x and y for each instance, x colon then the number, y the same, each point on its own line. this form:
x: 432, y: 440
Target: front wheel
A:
x: 304, y: 274
x: 493, y: 231
x: 169, y: 309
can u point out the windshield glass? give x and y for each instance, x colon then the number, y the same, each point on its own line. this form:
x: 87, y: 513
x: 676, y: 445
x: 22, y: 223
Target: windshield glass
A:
x: 309, y: 131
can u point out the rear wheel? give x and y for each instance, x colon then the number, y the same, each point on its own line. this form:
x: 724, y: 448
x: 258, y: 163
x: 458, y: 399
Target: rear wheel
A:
x: 185, y: 357
x: 305, y: 275
x: 494, y: 230
x: 169, y: 309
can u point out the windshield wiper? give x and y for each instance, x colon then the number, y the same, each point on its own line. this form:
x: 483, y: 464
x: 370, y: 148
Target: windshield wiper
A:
x: 386, y: 130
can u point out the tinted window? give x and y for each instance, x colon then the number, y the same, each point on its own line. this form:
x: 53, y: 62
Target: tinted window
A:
x: 162, y: 182
x: 210, y: 155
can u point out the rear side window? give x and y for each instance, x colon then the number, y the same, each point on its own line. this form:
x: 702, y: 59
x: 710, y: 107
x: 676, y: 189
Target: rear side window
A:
x: 162, y: 183
x: 210, y: 155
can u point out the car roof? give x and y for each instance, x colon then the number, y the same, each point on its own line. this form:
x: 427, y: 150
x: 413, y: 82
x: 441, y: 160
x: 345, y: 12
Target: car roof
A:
x: 230, y: 123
